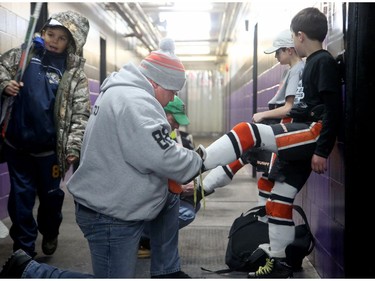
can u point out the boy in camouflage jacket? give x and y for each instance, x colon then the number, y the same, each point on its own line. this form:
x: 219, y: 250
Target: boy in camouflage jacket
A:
x: 50, y: 107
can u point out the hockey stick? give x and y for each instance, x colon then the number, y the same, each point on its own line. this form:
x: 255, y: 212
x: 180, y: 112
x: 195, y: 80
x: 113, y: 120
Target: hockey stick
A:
x: 22, y: 63
x: 27, y: 43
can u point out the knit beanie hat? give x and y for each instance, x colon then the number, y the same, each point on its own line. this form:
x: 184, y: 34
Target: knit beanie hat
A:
x: 164, y: 67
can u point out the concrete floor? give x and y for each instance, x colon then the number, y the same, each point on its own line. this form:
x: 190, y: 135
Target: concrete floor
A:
x: 202, y: 243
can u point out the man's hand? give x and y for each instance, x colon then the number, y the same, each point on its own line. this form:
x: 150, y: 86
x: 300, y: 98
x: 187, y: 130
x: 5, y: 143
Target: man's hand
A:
x: 188, y: 189
x: 201, y: 151
x: 318, y: 164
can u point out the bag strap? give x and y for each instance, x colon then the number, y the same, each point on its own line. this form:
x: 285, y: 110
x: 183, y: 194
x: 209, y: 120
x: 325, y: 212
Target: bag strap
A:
x: 223, y: 271
x: 304, y: 217
x: 220, y: 271
x: 260, y: 211
x: 302, y: 213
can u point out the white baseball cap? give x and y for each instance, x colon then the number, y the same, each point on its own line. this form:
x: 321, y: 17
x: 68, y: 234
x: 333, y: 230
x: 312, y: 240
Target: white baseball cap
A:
x: 283, y: 40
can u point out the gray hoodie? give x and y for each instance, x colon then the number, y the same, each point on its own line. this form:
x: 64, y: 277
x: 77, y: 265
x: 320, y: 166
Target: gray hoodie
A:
x: 127, y: 155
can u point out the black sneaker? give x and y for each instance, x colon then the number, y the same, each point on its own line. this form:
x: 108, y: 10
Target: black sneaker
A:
x: 273, y: 268
x: 15, y: 265
x: 49, y: 246
x: 257, y: 258
x: 175, y: 275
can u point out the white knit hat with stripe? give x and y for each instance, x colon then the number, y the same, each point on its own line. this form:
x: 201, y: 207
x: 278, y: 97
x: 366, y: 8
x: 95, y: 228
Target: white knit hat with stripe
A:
x: 164, y: 67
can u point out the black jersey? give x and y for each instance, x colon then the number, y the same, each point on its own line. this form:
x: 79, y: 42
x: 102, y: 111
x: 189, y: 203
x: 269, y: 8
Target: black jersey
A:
x: 319, y: 98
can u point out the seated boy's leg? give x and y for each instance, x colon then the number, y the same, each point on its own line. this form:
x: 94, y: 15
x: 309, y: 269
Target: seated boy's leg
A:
x: 296, y: 141
x: 291, y: 177
x: 265, y: 186
x: 241, y: 138
x: 292, y: 142
x: 279, y: 209
x: 221, y: 176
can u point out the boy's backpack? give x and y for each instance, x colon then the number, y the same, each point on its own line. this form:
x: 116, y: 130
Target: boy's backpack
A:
x: 247, y: 233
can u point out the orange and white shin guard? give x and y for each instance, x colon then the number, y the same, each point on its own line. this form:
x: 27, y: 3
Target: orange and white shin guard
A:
x: 279, y: 209
x: 231, y: 146
x: 234, y: 167
x: 264, y: 190
x: 221, y: 176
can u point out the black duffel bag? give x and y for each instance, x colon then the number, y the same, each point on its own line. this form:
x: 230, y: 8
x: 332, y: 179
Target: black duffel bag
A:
x: 247, y: 233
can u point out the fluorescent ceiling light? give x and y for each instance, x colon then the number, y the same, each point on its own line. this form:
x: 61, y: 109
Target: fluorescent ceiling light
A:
x: 187, y: 25
x: 201, y: 6
x: 187, y: 21
x: 188, y: 6
x: 197, y: 58
x: 192, y: 48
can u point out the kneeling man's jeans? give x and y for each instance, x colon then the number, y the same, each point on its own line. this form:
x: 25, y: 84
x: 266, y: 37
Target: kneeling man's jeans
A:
x: 114, y: 245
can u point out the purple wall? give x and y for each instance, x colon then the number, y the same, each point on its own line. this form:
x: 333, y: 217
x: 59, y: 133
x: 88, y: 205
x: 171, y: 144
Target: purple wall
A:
x: 94, y: 87
x: 239, y: 105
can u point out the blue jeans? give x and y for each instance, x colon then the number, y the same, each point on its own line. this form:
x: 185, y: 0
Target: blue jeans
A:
x: 114, y: 245
x: 187, y: 213
x: 186, y: 216
x: 42, y: 270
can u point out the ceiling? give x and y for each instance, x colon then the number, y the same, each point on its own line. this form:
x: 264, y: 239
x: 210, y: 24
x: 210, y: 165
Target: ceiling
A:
x: 146, y: 23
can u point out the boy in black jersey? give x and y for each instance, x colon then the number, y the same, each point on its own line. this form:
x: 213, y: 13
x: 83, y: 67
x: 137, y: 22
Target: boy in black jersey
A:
x: 301, y: 146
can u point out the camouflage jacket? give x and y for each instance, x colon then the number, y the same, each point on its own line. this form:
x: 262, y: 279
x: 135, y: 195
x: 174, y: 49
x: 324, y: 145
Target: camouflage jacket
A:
x: 72, y: 106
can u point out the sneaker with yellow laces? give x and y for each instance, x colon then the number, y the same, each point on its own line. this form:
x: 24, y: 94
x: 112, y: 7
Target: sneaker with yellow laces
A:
x: 273, y: 268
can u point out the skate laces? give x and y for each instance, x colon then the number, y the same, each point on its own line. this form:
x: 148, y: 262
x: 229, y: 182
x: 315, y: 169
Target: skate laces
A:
x: 266, y: 269
x: 196, y: 185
